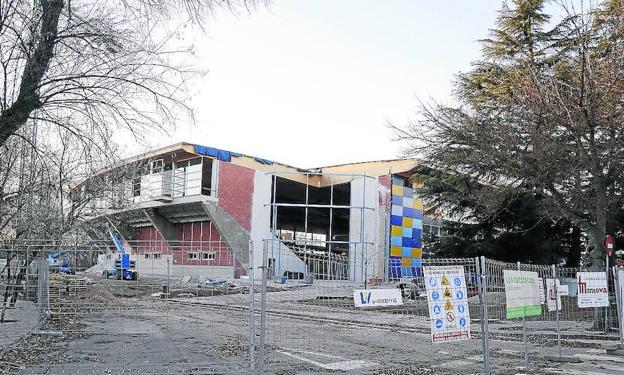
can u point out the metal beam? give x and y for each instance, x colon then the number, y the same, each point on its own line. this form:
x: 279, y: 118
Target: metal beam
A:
x: 166, y: 228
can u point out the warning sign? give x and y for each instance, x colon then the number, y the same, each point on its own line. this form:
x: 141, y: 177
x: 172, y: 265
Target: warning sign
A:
x: 447, y: 293
x: 448, y: 304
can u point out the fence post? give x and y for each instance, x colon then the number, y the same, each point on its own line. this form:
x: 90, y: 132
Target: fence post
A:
x: 264, y: 269
x: 554, y: 272
x: 43, y: 293
x: 485, y: 336
x: 524, y: 336
x: 618, y: 302
x: 252, y: 312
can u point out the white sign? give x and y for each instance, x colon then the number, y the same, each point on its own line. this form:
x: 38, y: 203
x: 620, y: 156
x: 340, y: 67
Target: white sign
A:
x: 592, y: 289
x: 377, y: 297
x: 447, y: 297
x: 541, y: 290
x: 522, y: 293
x: 554, y: 304
x: 563, y: 290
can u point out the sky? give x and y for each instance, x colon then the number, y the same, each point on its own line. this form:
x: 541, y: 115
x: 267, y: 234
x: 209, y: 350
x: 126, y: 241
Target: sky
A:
x: 314, y: 83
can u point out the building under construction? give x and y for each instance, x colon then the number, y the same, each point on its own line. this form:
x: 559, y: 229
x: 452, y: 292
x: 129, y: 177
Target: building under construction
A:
x: 190, y: 209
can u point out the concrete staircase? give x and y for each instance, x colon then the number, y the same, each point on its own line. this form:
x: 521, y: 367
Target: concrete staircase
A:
x: 231, y: 231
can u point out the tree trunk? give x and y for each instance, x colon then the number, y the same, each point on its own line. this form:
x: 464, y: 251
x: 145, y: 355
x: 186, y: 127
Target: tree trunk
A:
x: 35, y: 68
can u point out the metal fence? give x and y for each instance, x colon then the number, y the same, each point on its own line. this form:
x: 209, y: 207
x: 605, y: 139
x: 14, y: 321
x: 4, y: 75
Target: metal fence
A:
x: 61, y: 315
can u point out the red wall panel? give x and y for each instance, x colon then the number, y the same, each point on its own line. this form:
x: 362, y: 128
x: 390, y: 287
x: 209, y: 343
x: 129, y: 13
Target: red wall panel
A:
x: 149, y: 240
x: 235, y: 192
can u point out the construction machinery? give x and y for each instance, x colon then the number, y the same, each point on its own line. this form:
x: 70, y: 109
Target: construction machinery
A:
x: 124, y: 267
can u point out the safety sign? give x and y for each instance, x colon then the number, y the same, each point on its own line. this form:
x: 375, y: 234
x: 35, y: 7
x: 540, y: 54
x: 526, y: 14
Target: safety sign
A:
x: 448, y: 303
x: 522, y: 293
x: 592, y: 289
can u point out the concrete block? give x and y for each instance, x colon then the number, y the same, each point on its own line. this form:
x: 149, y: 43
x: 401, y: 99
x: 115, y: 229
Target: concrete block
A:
x: 563, y: 358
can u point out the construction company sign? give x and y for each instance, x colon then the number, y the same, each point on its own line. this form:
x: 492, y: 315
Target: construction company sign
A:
x: 592, y: 289
x: 522, y: 293
x: 377, y: 297
x: 448, y: 303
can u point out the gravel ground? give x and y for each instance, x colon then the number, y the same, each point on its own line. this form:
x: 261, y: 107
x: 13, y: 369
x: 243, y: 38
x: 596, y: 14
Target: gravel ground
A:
x: 119, y: 327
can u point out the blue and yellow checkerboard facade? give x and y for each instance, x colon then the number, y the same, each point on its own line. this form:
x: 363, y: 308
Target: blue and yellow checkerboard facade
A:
x: 406, y: 224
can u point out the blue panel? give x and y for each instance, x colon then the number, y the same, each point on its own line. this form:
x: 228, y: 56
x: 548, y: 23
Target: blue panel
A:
x: 416, y: 234
x: 418, y: 214
x: 396, y: 220
x: 407, y: 232
x: 215, y: 153
x: 397, y: 200
x: 408, y: 192
x: 408, y: 212
x: 396, y: 240
x: 406, y: 271
x: 398, y: 181
x: 406, y: 252
x: 417, y: 224
x: 416, y: 262
x: 409, y: 242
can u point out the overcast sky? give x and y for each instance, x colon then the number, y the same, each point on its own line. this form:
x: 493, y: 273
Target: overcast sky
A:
x: 312, y: 83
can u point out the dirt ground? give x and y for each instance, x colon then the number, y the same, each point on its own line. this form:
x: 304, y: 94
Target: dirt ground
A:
x: 118, y: 327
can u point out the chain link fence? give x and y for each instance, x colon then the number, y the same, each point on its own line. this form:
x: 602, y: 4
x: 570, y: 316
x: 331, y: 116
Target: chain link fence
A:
x: 65, y: 311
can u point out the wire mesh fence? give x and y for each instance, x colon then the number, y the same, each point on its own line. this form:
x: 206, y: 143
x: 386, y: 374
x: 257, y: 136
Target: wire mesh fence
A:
x: 74, y: 312
x: 68, y: 308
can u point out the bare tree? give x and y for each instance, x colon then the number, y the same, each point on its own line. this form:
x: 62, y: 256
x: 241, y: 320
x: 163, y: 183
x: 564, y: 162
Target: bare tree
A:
x: 92, y: 66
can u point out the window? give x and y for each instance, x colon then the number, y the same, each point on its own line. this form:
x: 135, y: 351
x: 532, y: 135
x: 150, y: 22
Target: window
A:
x: 156, y: 255
x: 206, y: 179
x: 157, y: 166
x: 147, y: 256
x: 208, y: 256
x: 193, y: 256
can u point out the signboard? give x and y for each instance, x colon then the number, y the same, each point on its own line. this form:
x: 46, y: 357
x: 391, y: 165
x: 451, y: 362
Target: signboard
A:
x: 377, y: 297
x: 608, y: 243
x: 522, y: 293
x: 447, y: 298
x: 592, y: 289
x: 553, y: 304
x: 541, y: 290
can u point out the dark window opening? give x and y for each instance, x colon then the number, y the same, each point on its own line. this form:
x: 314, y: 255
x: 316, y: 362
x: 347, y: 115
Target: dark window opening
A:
x: 291, y: 224
x: 206, y: 182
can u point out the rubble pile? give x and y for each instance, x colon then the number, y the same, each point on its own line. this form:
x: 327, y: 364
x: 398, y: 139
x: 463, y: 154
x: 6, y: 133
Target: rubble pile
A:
x: 60, y: 284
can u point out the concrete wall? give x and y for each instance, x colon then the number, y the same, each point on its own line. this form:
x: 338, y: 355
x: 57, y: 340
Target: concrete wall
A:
x: 260, y: 217
x: 364, y: 259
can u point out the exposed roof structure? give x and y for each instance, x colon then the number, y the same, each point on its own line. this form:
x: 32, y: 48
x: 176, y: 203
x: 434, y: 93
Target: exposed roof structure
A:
x: 373, y: 168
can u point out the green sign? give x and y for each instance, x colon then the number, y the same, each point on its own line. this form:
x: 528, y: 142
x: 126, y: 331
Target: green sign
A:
x: 522, y: 294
